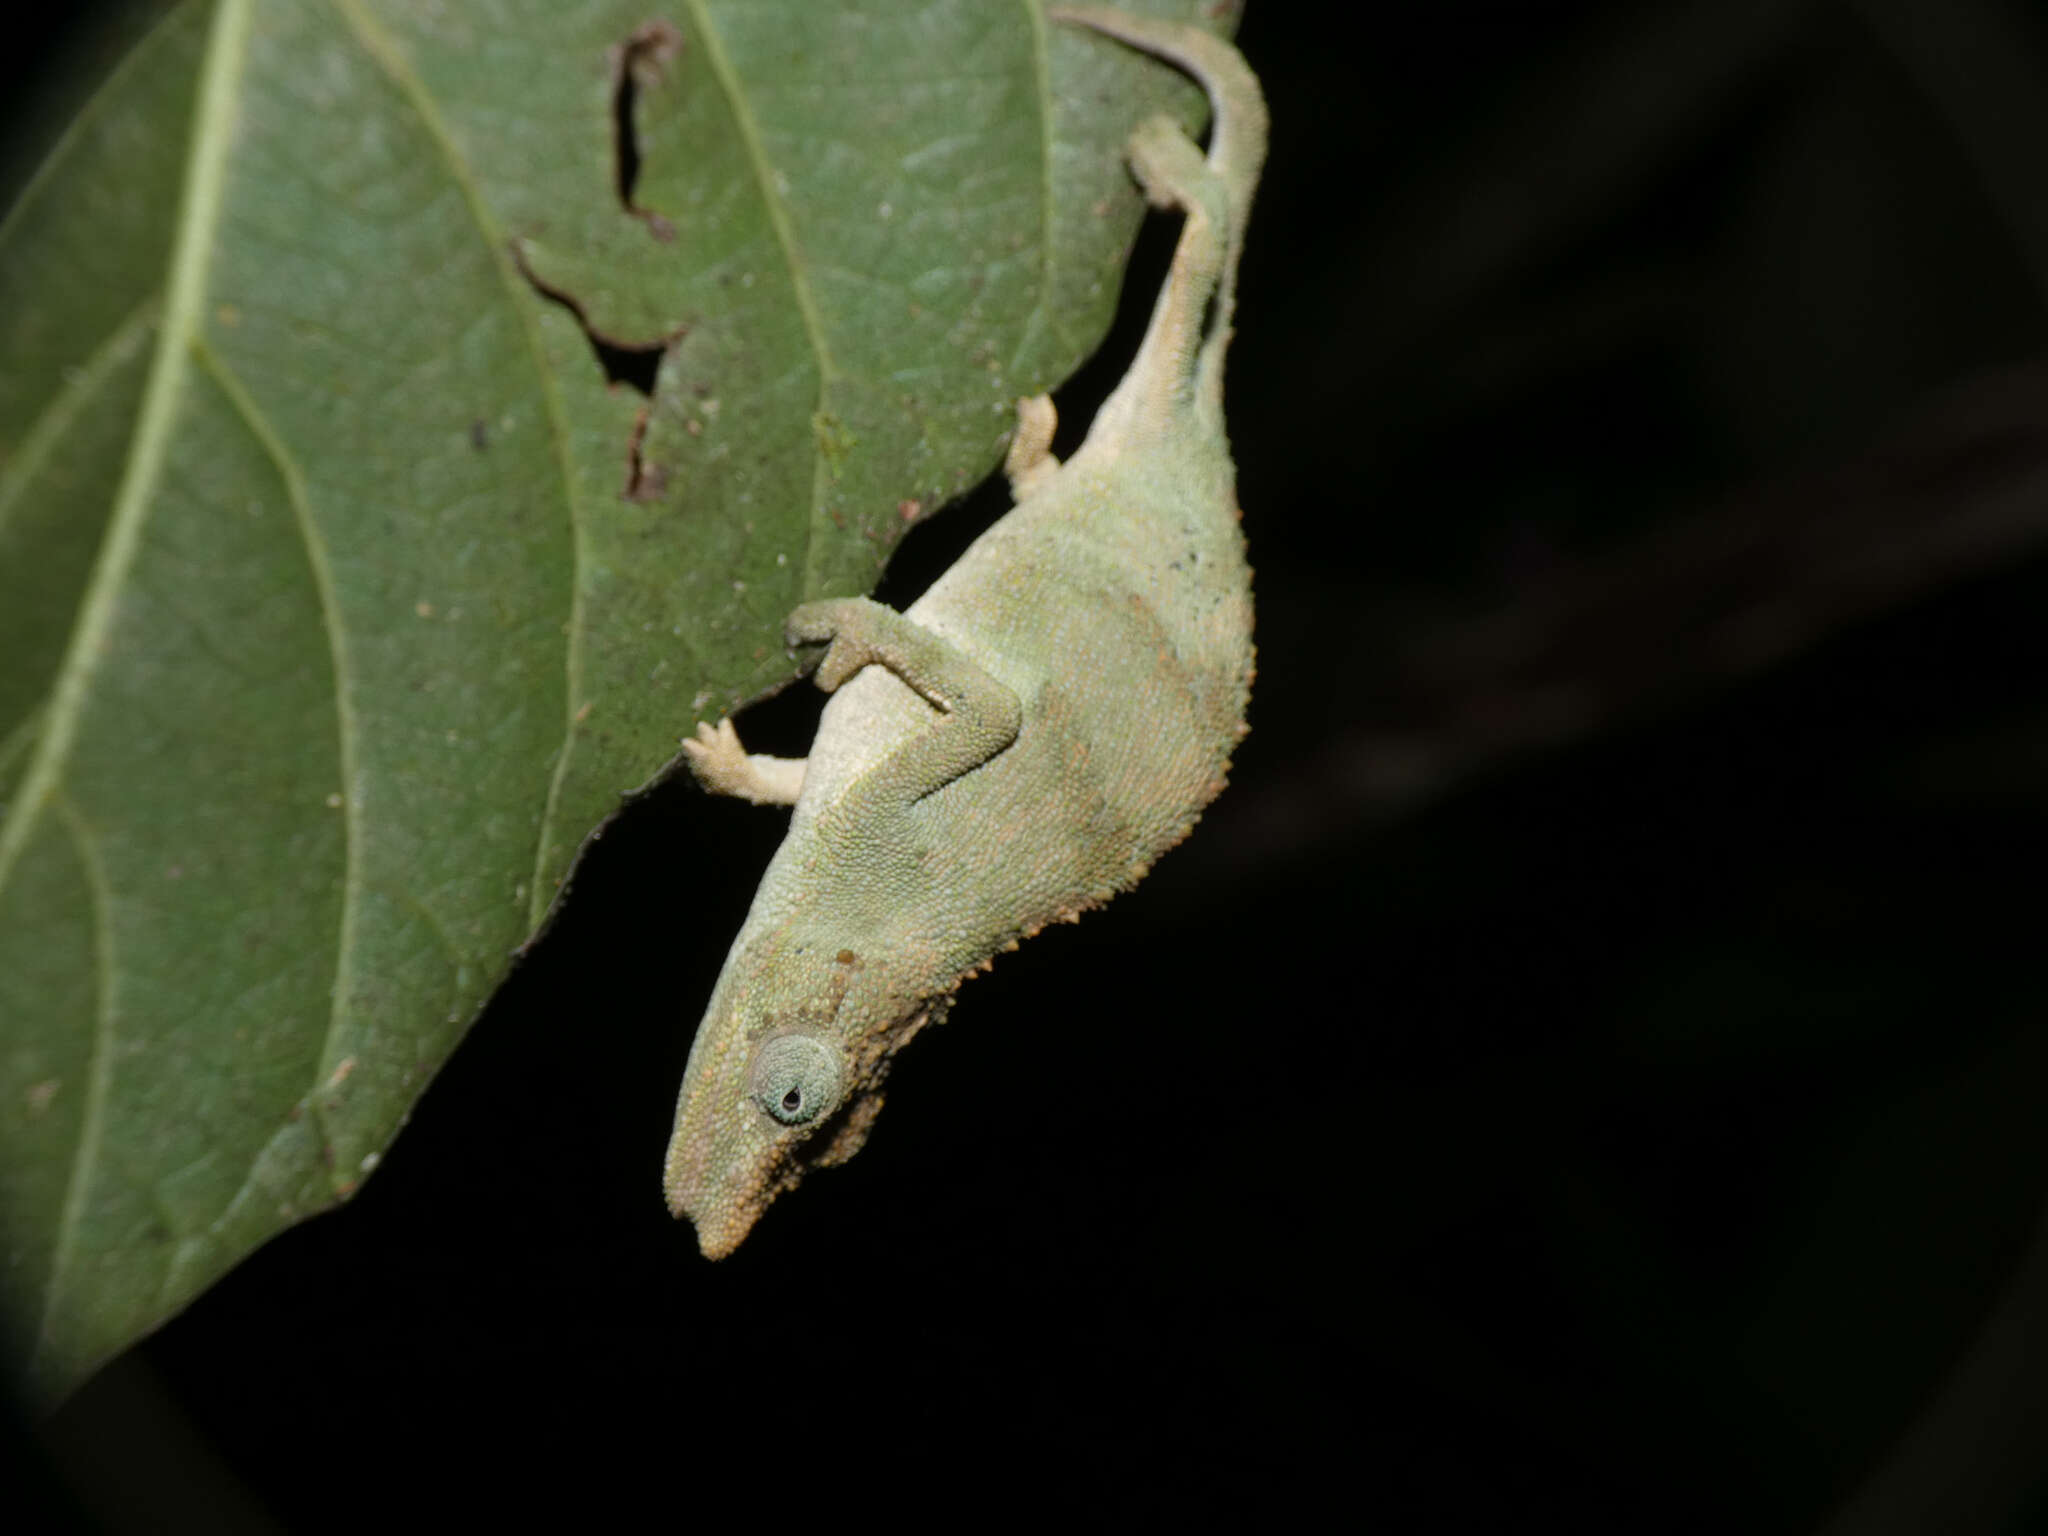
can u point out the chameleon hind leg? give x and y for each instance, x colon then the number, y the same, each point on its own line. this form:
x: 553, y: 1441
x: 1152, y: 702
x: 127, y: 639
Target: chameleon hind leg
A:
x: 1161, y: 381
x: 1190, y: 328
x: 1174, y: 175
x: 979, y: 715
x: 1182, y: 353
x: 1030, y: 462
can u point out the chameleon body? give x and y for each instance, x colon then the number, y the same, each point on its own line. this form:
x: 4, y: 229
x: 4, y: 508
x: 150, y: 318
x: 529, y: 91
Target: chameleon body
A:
x: 1018, y: 745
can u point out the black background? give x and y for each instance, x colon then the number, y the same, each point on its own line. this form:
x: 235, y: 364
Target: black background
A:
x: 1588, y: 1068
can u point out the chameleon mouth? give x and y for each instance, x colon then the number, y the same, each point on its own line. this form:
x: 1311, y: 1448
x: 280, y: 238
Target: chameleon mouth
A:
x: 722, y: 1204
x: 720, y: 1231
x: 722, y: 1192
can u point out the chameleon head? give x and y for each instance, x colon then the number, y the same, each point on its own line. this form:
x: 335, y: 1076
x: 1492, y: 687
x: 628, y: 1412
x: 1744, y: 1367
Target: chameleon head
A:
x: 773, y: 1092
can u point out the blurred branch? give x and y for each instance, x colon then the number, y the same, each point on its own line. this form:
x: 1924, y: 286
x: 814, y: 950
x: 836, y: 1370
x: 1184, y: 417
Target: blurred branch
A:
x: 1696, y: 603
x: 1561, y: 153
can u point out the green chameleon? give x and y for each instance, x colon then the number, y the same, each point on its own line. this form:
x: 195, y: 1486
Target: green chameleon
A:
x: 1019, y: 744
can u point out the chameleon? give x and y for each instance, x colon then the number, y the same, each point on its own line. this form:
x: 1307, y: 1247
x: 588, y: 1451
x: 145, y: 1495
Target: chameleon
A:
x: 1016, y: 746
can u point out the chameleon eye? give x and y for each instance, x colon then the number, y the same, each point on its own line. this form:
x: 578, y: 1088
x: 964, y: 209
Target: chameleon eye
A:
x: 796, y: 1078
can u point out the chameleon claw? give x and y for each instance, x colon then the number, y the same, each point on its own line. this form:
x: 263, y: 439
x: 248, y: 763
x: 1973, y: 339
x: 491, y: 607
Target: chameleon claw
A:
x: 839, y: 624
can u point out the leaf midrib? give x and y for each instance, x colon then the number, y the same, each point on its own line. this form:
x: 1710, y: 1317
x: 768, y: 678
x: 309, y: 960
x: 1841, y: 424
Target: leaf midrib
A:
x: 198, y: 213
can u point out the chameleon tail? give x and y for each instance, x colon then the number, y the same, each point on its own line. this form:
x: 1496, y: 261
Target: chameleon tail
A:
x: 1237, y: 150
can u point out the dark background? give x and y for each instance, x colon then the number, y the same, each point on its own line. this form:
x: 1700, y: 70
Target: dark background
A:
x: 1589, y: 1068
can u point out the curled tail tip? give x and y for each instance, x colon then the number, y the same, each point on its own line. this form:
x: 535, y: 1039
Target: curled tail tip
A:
x: 1239, y: 144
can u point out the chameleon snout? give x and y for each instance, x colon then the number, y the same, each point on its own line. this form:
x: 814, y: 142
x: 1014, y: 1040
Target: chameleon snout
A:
x: 719, y: 1187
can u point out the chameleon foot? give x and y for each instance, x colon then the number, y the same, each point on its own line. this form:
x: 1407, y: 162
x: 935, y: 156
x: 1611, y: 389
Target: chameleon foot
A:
x: 724, y: 767
x: 1030, y: 463
x: 847, y: 631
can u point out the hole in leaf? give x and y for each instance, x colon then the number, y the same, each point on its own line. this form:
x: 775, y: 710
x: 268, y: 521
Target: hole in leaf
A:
x: 640, y: 64
x: 625, y: 142
x: 937, y: 541
x: 622, y: 362
x: 634, y: 367
x: 644, y: 481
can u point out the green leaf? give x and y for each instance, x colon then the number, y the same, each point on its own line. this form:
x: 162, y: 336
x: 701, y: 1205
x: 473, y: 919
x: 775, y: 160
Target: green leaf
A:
x: 341, y: 596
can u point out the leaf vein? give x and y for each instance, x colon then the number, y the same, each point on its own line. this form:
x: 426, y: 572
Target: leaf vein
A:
x: 799, y: 278
x: 56, y: 417
x: 91, y: 1130
x: 1041, y: 63
x: 139, y: 58
x: 388, y: 57
x: 15, y: 743
x: 347, y: 730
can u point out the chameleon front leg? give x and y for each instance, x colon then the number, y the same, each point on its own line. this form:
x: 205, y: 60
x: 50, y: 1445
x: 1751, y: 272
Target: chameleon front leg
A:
x: 979, y: 715
x: 724, y: 767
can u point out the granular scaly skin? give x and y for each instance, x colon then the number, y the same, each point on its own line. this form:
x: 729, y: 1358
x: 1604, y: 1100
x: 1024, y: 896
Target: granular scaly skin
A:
x: 1016, y: 747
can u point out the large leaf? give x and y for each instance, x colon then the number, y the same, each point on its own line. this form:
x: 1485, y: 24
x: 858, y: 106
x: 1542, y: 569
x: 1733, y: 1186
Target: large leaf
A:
x: 340, y: 594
